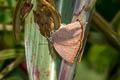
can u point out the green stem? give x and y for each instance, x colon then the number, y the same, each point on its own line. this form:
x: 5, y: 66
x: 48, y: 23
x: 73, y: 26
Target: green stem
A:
x: 6, y: 7
x: 40, y: 64
x: 107, y: 30
x: 10, y: 67
x: 67, y: 71
x: 115, y: 22
x: 11, y: 53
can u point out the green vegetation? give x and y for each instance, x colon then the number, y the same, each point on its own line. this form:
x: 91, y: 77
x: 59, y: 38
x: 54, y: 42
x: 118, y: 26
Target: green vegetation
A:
x: 101, y: 59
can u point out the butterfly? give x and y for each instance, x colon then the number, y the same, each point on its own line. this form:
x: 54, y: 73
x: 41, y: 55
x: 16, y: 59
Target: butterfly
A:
x: 68, y: 40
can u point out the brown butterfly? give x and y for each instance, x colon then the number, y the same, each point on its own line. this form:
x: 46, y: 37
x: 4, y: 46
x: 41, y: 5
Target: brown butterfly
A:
x: 68, y: 39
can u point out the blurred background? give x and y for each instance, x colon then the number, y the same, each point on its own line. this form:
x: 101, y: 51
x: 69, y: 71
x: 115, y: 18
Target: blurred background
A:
x: 101, y: 60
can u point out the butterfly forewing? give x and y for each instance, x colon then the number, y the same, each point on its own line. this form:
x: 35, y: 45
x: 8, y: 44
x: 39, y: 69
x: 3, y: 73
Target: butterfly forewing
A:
x: 67, y: 40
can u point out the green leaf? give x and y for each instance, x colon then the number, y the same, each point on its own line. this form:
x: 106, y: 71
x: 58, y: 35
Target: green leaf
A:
x: 86, y: 73
x: 101, y: 57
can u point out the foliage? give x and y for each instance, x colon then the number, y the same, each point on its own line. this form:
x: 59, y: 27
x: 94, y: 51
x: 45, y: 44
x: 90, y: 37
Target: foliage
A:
x: 100, y: 61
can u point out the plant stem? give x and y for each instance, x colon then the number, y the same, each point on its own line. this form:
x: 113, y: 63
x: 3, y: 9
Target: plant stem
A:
x: 11, y: 53
x: 115, y: 22
x: 67, y: 71
x: 40, y: 64
x: 6, y: 7
x: 10, y: 67
x: 107, y: 30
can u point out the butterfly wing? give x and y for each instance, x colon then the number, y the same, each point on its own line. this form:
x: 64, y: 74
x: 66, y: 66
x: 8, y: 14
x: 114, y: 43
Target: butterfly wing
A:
x: 68, y: 53
x: 67, y: 40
